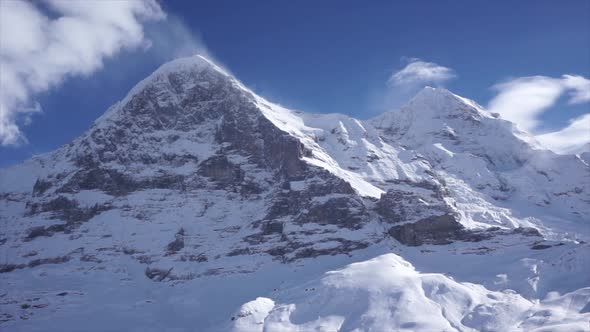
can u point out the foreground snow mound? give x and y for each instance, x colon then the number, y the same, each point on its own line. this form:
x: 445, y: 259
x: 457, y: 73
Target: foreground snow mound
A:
x: 386, y: 293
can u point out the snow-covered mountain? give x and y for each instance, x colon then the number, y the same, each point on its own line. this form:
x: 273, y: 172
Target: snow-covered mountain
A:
x: 194, y: 204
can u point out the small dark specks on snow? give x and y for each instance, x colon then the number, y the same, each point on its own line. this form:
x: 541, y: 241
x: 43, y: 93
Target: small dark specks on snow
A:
x: 30, y: 254
x: 4, y: 317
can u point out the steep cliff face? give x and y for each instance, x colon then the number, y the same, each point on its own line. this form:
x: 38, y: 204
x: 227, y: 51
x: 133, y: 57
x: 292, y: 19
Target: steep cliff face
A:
x: 192, y: 132
x: 193, y: 179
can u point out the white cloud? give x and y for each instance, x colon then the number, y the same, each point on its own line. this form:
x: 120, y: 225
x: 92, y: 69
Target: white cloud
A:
x: 579, y: 88
x: 173, y: 39
x: 523, y: 100
x: 38, y: 50
x: 419, y: 72
x: 403, y: 84
x: 574, y: 138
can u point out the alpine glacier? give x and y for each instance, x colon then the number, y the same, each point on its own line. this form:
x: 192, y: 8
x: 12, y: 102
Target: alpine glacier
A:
x: 194, y: 204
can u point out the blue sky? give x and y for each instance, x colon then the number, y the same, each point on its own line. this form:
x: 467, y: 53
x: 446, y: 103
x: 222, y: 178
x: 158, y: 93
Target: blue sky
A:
x: 332, y: 56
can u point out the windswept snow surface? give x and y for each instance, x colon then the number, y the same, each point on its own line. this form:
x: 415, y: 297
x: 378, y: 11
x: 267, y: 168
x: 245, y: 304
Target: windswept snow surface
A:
x: 195, y: 205
x: 388, y: 294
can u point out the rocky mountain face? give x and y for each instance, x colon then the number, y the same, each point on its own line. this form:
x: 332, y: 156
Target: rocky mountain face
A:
x: 194, y: 181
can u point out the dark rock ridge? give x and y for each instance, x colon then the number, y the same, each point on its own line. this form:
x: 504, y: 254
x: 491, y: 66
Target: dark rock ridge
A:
x: 432, y: 230
x: 445, y: 229
x: 401, y: 205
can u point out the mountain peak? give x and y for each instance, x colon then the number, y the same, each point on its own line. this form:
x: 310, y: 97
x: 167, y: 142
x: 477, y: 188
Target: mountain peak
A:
x: 196, y: 61
x: 191, y: 65
x: 429, y: 107
x: 440, y: 99
x: 172, y: 80
x: 432, y: 89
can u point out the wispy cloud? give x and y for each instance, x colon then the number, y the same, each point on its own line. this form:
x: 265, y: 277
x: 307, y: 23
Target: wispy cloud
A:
x: 574, y: 138
x: 418, y: 72
x: 523, y: 100
x: 44, y: 43
x: 579, y: 88
x: 172, y: 38
x: 404, y: 83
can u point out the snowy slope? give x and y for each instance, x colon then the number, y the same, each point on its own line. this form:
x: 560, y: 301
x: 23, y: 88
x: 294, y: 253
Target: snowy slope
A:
x: 193, y: 195
x: 387, y: 293
x: 499, y: 175
x: 496, y: 174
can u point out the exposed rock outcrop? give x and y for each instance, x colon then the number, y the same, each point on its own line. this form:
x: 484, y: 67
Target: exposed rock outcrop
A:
x: 442, y: 229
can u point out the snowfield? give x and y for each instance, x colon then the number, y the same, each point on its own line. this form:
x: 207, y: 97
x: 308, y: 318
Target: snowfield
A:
x: 194, y: 204
x: 387, y: 293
